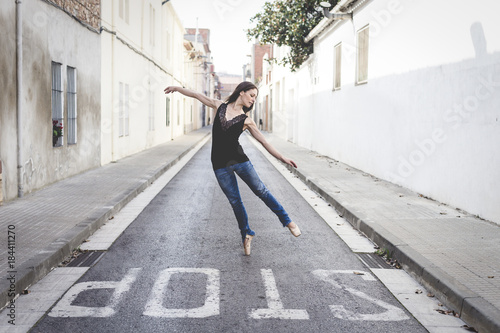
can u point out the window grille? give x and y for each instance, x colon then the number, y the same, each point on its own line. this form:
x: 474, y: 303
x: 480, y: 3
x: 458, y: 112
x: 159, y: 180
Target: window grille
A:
x: 151, y: 25
x: 167, y: 42
x: 72, y: 105
x: 178, y: 113
x: 362, y: 59
x: 120, y: 110
x: 126, y: 118
x: 57, y: 105
x: 123, y: 10
x: 167, y: 112
x: 123, y: 112
x: 338, y: 65
x: 151, y: 111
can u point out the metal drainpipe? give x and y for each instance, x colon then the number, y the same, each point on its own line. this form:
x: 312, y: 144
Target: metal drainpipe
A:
x: 19, y: 71
x: 113, y: 28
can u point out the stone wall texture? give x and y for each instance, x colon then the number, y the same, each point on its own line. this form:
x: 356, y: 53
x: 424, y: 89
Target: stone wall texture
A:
x: 87, y: 11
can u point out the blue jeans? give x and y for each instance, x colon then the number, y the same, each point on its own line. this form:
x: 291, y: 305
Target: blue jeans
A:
x: 229, y: 185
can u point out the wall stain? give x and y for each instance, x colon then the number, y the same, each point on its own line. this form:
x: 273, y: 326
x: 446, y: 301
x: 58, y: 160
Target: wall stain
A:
x: 8, y: 100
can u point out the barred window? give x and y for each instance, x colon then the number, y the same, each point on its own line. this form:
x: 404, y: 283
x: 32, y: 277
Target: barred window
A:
x: 57, y: 105
x: 337, y: 66
x: 151, y: 126
x: 123, y: 112
x: 72, y: 112
x: 178, y: 113
x: 362, y: 57
x: 123, y: 9
x: 151, y: 25
x: 167, y: 112
x: 168, y: 47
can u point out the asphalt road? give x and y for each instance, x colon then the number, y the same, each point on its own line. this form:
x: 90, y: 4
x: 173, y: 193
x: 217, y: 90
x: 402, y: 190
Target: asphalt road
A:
x: 180, y: 267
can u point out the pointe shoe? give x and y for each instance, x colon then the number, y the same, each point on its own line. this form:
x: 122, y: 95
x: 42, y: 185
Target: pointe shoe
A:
x: 247, y: 244
x: 295, y: 230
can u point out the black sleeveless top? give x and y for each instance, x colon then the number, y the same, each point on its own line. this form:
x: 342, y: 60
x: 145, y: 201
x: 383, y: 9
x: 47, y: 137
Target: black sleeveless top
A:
x: 226, y: 149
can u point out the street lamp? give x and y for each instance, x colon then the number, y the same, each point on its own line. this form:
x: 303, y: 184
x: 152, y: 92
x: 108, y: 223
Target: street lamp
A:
x: 326, y: 11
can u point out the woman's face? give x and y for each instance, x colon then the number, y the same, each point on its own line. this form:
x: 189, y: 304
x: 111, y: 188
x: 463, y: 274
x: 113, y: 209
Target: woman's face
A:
x: 248, y: 97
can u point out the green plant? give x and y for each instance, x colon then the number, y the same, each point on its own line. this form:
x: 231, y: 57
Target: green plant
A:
x: 57, y: 129
x: 384, y: 253
x: 287, y: 22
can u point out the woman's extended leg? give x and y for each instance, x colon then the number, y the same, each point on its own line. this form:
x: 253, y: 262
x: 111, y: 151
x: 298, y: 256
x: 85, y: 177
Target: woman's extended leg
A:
x: 229, y: 185
x: 248, y: 174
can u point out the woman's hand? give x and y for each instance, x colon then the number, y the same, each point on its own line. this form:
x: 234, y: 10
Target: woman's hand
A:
x: 210, y: 102
x: 289, y: 162
x: 170, y: 89
x: 254, y: 131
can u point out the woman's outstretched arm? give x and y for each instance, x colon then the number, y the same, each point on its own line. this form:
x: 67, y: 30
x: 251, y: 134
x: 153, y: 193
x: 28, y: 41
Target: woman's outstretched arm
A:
x: 252, y: 128
x: 210, y: 102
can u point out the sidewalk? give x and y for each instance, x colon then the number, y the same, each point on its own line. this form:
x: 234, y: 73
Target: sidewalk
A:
x: 51, y: 222
x: 453, y: 254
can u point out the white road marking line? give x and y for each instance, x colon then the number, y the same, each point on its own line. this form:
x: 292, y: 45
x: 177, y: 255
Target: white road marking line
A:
x: 421, y: 306
x: 324, y: 275
x: 392, y: 312
x: 211, y: 307
x: 64, y: 308
x: 31, y: 307
x: 275, y: 306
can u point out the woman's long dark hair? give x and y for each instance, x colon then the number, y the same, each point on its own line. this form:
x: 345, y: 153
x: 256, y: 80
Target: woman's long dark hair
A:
x: 243, y: 86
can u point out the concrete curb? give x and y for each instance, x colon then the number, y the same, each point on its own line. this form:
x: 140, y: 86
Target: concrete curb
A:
x: 473, y: 309
x: 40, y: 265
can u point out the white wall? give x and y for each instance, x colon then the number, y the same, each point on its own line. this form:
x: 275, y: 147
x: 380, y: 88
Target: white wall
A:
x: 428, y: 117
x: 147, y: 69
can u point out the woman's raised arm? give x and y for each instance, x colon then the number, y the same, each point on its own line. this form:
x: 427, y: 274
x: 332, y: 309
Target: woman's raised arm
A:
x: 210, y: 102
x: 254, y: 131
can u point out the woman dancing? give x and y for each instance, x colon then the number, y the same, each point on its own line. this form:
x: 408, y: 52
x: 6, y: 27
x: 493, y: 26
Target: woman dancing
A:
x: 228, y: 157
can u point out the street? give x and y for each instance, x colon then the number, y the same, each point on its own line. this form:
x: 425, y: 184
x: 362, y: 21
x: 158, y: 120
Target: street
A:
x: 179, y: 267
x: 113, y: 220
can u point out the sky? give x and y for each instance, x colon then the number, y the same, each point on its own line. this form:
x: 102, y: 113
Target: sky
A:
x: 227, y: 21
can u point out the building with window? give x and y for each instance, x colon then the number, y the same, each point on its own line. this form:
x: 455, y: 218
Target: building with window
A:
x: 92, y: 76
x: 202, y: 75
x: 143, y: 51
x: 50, y: 104
x: 406, y: 91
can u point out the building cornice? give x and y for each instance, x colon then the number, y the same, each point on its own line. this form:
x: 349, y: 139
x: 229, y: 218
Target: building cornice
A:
x: 342, y: 7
